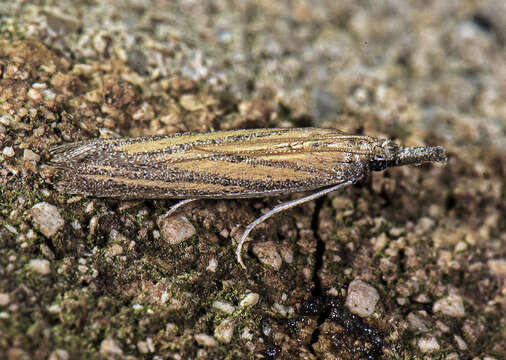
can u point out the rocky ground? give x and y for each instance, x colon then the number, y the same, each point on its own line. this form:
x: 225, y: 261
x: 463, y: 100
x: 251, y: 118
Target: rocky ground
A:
x: 408, y: 264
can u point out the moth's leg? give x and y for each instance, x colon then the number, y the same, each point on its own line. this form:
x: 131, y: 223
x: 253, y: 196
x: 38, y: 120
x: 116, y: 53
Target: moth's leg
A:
x: 279, y: 208
x: 177, y: 205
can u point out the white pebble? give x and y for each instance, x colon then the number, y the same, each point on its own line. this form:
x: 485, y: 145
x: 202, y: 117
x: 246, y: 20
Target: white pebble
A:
x: 428, y: 344
x: 225, y: 307
x: 417, y: 323
x: 47, y: 218
x: 452, y: 305
x: 497, y: 267
x: 110, y: 347
x: 460, y: 342
x: 145, y: 347
x: 4, y: 299
x: 40, y: 266
x: 59, y: 354
x: 213, y: 265
x: 246, y: 334
x: 35, y: 95
x: 8, y: 151
x: 250, y: 300
x: 205, y: 340
x: 267, y: 253
x: 362, y: 298
x: 175, y: 229
x: 29, y: 155
x: 225, y: 330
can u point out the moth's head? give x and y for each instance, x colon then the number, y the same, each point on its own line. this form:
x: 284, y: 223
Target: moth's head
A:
x: 384, y: 155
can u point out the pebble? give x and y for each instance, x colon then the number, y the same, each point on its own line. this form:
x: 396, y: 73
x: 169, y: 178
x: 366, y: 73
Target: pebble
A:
x: 109, y: 347
x: 250, y: 300
x: 213, y: 265
x: 362, y: 298
x: 205, y: 340
x: 428, y: 344
x: 225, y: 307
x: 452, y: 305
x: 6, y: 120
x: 4, y: 299
x: 190, y: 102
x: 29, y: 155
x: 267, y: 253
x: 59, y: 354
x: 175, y: 229
x: 497, y: 267
x: 246, y: 334
x: 224, y: 331
x: 40, y: 266
x: 114, y: 250
x: 145, y: 347
x: 47, y: 218
x: 8, y: 151
x: 460, y: 343
x: 417, y: 323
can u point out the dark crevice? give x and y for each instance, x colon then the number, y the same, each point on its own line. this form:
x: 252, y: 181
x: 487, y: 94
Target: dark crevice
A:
x: 402, y: 261
x: 483, y: 22
x: 317, y: 291
x: 320, y: 249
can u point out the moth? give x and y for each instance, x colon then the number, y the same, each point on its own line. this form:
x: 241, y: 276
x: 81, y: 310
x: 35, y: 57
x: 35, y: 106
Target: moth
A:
x: 229, y: 165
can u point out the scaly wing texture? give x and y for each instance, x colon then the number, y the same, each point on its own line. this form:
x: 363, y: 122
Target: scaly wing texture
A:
x: 223, y: 164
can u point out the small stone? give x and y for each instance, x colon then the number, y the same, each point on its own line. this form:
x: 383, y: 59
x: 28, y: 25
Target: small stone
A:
x: 225, y: 330
x: 35, y: 95
x: 461, y: 246
x: 497, y: 267
x: 144, y: 113
x: 452, y: 356
x: 225, y: 307
x: 246, y: 334
x: 205, y: 340
x: 175, y: 229
x: 4, y: 299
x: 460, y: 343
x: 109, y: 346
x: 6, y: 120
x: 82, y: 69
x: 380, y: 242
x: 213, y: 265
x: 114, y: 250
x: 190, y: 102
x: 29, y: 155
x: 47, y: 218
x: 283, y: 310
x: 362, y: 298
x: 59, y: 354
x: 417, y: 323
x: 40, y: 266
x: 422, y: 298
x: 250, y: 300
x: 452, y: 305
x: 145, y: 347
x: 396, y: 232
x: 8, y: 151
x: 424, y: 225
x: 428, y: 344
x: 267, y: 253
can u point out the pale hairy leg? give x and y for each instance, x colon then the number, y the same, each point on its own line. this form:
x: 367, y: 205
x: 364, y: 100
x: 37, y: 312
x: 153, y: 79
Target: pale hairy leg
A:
x: 282, y: 207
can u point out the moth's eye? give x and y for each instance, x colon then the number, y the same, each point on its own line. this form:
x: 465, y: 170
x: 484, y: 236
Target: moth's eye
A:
x: 378, y: 158
x: 377, y: 165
